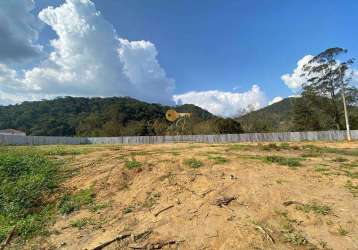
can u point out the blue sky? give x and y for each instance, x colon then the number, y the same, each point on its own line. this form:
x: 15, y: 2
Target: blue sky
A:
x: 212, y: 45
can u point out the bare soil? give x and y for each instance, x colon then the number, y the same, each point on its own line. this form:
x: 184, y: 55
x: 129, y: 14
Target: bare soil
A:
x: 236, y: 199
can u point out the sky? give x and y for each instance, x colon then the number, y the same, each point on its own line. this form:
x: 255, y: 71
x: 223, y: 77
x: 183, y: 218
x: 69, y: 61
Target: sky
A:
x: 224, y: 56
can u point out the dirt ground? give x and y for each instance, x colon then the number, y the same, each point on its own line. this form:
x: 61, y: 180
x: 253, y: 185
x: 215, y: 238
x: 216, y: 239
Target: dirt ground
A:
x: 223, y: 196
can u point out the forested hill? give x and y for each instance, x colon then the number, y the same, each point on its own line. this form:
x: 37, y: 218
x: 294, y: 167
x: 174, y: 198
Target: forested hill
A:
x: 275, y: 117
x: 116, y: 116
x: 279, y: 117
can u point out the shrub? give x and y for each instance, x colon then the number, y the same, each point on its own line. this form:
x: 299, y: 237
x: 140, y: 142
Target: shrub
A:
x: 193, y: 163
x: 133, y: 164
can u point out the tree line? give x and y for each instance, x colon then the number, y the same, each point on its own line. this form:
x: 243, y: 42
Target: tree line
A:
x: 115, y: 116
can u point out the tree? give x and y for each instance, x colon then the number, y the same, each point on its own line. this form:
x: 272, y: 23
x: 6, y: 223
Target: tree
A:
x: 326, y: 78
x: 228, y: 126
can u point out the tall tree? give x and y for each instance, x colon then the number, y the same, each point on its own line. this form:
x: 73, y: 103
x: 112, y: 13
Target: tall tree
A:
x: 326, y: 78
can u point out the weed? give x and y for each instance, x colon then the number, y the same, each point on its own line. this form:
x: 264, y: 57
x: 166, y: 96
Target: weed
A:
x: 295, y: 238
x: 240, y: 147
x: 193, y: 163
x: 27, y: 177
x: 81, y: 223
x: 218, y: 159
x: 271, y: 146
x: 94, y: 207
x: 151, y: 199
x: 310, y: 155
x: 289, y: 161
x: 352, y: 188
x: 70, y: 203
x: 128, y: 209
x: 133, y: 164
x: 315, y: 208
x: 289, y: 233
x: 321, y: 169
x: 64, y: 150
x: 342, y: 231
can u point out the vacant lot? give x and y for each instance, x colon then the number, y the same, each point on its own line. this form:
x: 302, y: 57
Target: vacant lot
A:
x: 197, y: 196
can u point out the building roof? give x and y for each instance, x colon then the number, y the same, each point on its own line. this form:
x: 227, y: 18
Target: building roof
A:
x: 11, y: 131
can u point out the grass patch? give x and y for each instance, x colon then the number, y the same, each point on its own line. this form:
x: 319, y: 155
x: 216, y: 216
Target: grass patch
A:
x: 81, y: 223
x: 73, y: 202
x: 240, y: 147
x: 339, y: 151
x: 64, y: 150
x: 315, y: 208
x: 286, y: 161
x: 321, y: 169
x: 133, y: 164
x: 289, y: 233
x: 310, y: 155
x: 218, y: 159
x: 193, y: 163
x: 27, y: 178
x: 352, y: 188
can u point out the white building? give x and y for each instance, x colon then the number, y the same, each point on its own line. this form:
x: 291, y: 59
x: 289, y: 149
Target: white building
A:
x: 11, y: 132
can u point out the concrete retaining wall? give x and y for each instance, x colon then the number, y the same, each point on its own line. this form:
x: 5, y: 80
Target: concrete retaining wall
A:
x: 253, y: 137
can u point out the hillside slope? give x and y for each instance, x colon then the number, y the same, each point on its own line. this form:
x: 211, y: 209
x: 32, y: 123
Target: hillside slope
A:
x: 114, y: 116
x: 278, y: 117
x: 275, y: 117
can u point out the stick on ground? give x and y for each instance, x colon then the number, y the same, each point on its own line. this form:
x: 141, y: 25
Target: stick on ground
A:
x: 164, y: 209
x: 119, y: 237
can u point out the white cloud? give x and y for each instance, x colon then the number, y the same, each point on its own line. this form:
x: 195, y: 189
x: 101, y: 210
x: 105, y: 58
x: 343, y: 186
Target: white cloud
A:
x: 89, y: 59
x: 295, y: 80
x: 225, y: 104
x: 275, y: 100
x: 19, y: 31
x: 355, y: 76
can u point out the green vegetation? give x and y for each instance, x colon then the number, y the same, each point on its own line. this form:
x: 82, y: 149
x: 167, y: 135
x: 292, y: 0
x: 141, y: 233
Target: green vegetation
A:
x: 352, y: 188
x: 116, y: 116
x: 342, y: 231
x: 286, y: 161
x: 218, y: 159
x: 133, y: 164
x: 321, y: 169
x: 73, y: 202
x: 289, y: 233
x: 64, y: 150
x: 27, y: 178
x: 81, y: 223
x: 315, y: 208
x: 193, y: 163
x: 320, y: 107
x: 128, y: 210
x: 273, y: 118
